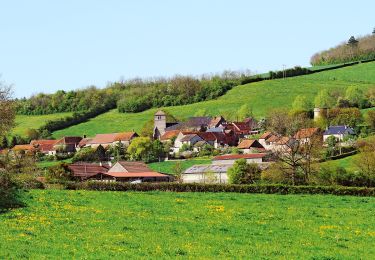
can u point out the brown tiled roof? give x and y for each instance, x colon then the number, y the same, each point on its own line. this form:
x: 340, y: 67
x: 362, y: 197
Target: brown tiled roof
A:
x: 282, y: 140
x: 44, y: 145
x: 84, y: 141
x: 126, y: 136
x: 273, y: 138
x: 87, y: 170
x: 160, y: 113
x: 265, y: 135
x: 69, y: 140
x: 239, y: 156
x: 112, y: 138
x: 188, y: 137
x: 135, y: 166
x: 135, y: 174
x: 306, y: 133
x: 169, y: 135
x: 215, y: 121
x: 248, y: 143
x: 23, y: 147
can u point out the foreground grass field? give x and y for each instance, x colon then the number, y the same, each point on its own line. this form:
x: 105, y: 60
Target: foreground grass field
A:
x: 27, y: 122
x: 102, y: 225
x: 260, y: 96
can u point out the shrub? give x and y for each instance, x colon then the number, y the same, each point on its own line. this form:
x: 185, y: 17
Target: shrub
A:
x: 9, y: 192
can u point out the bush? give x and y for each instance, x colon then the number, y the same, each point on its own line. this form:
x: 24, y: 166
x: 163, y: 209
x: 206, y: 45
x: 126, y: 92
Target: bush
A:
x: 9, y: 192
x: 196, y: 187
x: 29, y: 181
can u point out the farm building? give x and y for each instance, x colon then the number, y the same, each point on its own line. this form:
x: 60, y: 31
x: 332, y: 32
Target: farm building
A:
x: 231, y: 158
x: 121, y: 171
x: 207, y: 174
x: 107, y: 140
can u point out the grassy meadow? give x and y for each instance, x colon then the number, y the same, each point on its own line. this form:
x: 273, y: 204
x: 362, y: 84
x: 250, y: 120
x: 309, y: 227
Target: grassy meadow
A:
x: 24, y: 122
x: 100, y: 225
x: 260, y: 96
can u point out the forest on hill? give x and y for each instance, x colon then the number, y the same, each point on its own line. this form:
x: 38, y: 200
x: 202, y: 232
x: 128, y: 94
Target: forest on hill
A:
x: 362, y: 48
x: 134, y: 95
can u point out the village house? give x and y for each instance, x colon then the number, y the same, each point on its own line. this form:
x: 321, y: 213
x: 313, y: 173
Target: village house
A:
x: 304, y: 135
x: 247, y: 146
x: 67, y: 144
x: 121, y: 171
x: 193, y: 124
x: 340, y: 132
x: 26, y: 148
x: 107, y: 140
x: 44, y: 146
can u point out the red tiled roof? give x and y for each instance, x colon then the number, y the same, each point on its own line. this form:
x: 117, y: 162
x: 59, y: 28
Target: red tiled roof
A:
x: 44, y: 145
x: 169, y: 135
x: 240, y: 156
x: 306, y: 133
x: 125, y: 136
x: 135, y: 174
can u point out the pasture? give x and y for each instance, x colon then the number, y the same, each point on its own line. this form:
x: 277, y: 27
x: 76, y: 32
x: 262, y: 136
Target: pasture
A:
x: 100, y: 225
x: 261, y: 97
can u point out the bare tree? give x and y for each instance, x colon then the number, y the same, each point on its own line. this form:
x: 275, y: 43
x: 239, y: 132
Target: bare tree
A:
x: 7, y: 109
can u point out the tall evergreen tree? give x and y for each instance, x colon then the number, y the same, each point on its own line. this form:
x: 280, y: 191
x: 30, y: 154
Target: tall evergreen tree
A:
x: 373, y: 31
x: 352, y: 41
x: 4, y: 143
x: 13, y: 142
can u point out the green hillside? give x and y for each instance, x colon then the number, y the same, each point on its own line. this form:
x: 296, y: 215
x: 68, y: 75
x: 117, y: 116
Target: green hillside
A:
x: 24, y: 122
x: 260, y: 96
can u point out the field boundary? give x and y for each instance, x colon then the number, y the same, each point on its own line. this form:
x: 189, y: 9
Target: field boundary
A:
x: 195, y: 187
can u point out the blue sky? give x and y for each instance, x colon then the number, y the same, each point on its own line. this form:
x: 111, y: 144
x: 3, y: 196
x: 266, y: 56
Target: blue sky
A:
x: 50, y: 45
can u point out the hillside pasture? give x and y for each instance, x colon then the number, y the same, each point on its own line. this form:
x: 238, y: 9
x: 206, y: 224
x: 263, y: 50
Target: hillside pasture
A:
x: 24, y: 122
x: 261, y: 97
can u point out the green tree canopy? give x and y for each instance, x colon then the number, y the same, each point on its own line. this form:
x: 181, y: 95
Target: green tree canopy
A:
x: 243, y: 173
x: 301, y: 104
x: 354, y: 95
x: 244, y: 112
x: 324, y: 99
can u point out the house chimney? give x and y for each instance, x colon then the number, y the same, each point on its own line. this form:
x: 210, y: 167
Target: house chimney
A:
x: 100, y: 164
x: 84, y: 136
x: 110, y: 164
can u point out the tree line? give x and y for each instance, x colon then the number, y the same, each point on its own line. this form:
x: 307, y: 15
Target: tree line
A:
x: 362, y: 48
x: 134, y: 95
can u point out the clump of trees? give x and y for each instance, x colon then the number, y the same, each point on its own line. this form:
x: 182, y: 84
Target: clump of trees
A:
x: 243, y: 172
x: 362, y: 48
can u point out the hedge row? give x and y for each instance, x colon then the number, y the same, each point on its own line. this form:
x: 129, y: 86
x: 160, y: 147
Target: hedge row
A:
x: 76, y: 118
x: 195, y: 187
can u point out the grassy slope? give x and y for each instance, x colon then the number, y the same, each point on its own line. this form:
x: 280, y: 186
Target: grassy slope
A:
x: 26, y: 122
x: 121, y: 225
x: 261, y: 96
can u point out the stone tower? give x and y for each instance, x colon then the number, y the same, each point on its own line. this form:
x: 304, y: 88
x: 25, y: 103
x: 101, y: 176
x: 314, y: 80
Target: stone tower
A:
x: 160, y: 124
x: 320, y: 112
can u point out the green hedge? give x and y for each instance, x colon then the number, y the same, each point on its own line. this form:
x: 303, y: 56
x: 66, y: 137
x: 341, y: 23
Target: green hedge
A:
x: 195, y: 187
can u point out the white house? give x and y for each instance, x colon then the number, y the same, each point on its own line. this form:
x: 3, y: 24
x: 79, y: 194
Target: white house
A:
x: 339, y: 132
